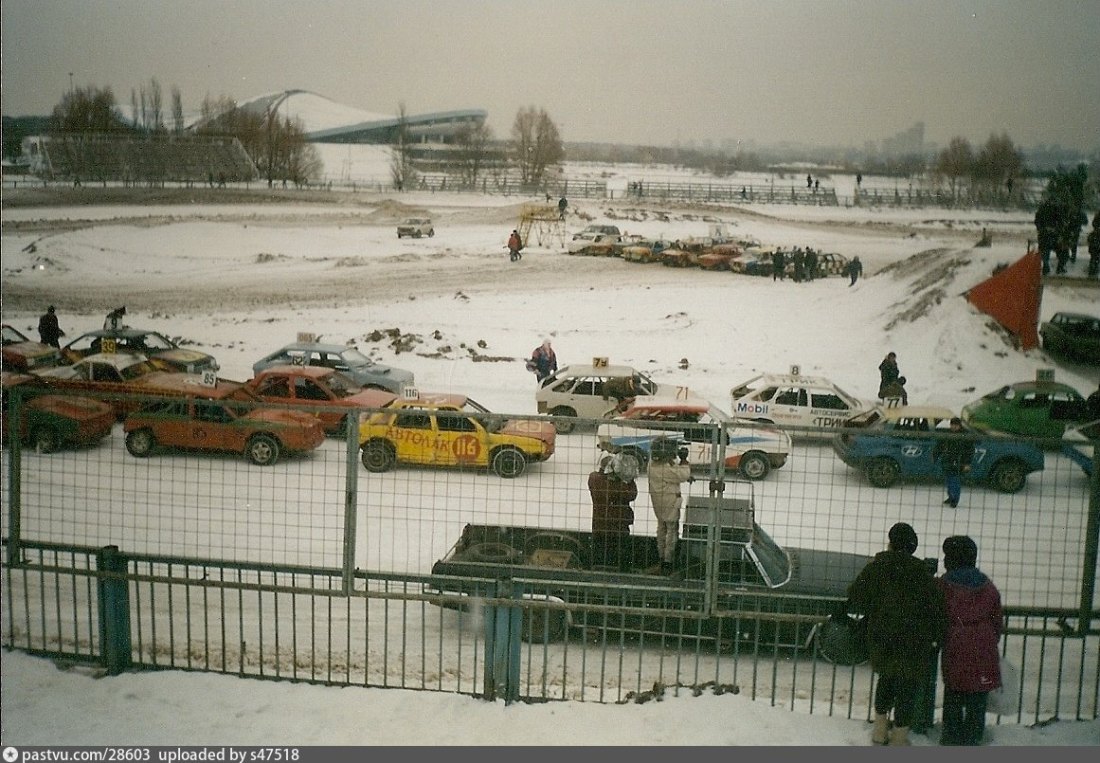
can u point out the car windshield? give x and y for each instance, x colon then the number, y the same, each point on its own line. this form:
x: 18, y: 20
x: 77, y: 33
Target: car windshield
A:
x: 353, y: 357
x: 11, y: 336
x: 342, y: 385
x: 493, y: 422
x: 150, y: 341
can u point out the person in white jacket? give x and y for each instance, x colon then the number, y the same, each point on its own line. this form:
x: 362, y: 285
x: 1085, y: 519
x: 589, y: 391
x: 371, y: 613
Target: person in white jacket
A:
x: 665, y: 476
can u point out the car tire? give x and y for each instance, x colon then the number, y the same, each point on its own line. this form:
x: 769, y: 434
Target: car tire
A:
x: 882, y: 472
x: 561, y: 426
x: 378, y: 456
x: 45, y: 439
x: 754, y: 465
x: 140, y: 443
x: 1008, y: 476
x: 262, y: 450
x: 509, y: 463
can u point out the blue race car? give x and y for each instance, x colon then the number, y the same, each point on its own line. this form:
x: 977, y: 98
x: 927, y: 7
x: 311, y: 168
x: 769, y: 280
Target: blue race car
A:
x: 891, y: 444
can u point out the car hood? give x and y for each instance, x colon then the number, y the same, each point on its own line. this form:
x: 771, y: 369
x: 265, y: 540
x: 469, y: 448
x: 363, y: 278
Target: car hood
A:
x: 823, y: 573
x: 76, y: 408
x: 540, y: 430
x: 180, y: 356
x: 284, y: 417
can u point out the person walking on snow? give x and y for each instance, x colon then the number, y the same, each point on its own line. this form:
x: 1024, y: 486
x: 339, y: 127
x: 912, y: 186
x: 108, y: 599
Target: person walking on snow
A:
x: 49, y: 331
x: 954, y: 456
x: 514, y: 247
x: 855, y: 270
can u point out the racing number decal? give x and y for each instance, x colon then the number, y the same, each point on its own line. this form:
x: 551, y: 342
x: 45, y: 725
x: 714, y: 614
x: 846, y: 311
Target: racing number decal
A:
x: 108, y: 346
x: 466, y: 448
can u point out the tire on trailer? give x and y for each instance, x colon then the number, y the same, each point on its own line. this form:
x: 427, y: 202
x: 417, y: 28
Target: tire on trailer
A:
x: 262, y: 449
x: 492, y: 552
x: 842, y: 641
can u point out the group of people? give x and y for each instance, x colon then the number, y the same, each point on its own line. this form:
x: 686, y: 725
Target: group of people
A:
x: 805, y: 264
x: 613, y: 488
x: 911, y: 615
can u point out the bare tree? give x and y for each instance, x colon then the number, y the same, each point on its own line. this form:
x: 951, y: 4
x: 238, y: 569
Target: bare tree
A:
x: 177, y: 111
x: 998, y: 162
x: 156, y: 107
x: 472, y: 143
x: 536, y: 144
x: 401, y: 162
x: 955, y: 162
x: 87, y: 110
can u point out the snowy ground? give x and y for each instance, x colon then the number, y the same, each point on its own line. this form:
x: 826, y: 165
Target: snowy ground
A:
x: 240, y: 280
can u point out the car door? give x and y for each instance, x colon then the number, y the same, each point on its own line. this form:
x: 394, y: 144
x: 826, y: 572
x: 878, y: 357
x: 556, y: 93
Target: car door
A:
x: 213, y: 427
x: 828, y: 408
x: 413, y: 436
x: 461, y: 440
x: 911, y: 446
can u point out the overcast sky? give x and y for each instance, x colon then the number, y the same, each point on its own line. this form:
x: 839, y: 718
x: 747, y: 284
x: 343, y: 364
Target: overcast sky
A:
x: 632, y: 71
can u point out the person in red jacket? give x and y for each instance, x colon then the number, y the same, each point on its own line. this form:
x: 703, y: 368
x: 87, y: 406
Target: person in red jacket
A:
x: 515, y: 246
x: 971, y: 658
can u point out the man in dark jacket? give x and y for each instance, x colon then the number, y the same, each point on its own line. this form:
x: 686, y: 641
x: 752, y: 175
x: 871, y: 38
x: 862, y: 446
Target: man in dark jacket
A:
x: 905, y: 620
x: 49, y: 331
x: 888, y: 372
x: 971, y: 657
x: 612, y: 488
x: 954, y: 456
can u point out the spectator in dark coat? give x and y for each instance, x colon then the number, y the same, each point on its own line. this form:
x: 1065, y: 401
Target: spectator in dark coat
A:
x: 810, y: 264
x: 971, y: 658
x: 905, y: 621
x: 49, y: 331
x: 779, y: 266
x: 612, y: 488
x: 544, y: 360
x: 894, y: 393
x: 855, y: 270
x: 954, y: 456
x: 887, y: 373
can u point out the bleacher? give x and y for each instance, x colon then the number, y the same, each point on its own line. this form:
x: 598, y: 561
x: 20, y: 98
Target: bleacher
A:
x: 147, y: 159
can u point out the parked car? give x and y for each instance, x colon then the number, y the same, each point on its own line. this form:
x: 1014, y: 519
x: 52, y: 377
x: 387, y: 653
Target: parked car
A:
x: 50, y: 422
x: 719, y: 256
x: 112, y: 377
x: 606, y: 230
x: 159, y: 349
x: 415, y: 227
x: 1073, y: 335
x: 891, y: 444
x: 347, y: 358
x: 751, y: 449
x: 23, y: 354
x: 593, y: 243
x: 451, y: 430
x: 644, y: 250
x: 752, y: 571
x: 591, y: 392
x: 1029, y: 409
x: 224, y: 418
x: 796, y: 400
x: 329, y: 394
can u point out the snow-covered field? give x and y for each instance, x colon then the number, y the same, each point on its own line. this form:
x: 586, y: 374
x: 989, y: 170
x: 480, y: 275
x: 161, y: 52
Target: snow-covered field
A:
x: 241, y: 280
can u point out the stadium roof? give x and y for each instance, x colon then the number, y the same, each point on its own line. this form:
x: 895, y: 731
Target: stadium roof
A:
x: 326, y: 121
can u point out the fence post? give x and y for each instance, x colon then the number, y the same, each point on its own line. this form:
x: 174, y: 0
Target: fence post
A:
x: 351, y: 491
x: 502, y: 643
x: 15, y: 475
x: 114, y: 609
x: 1092, y: 544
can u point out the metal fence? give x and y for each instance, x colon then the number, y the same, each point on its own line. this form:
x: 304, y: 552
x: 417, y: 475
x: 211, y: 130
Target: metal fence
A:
x: 318, y: 570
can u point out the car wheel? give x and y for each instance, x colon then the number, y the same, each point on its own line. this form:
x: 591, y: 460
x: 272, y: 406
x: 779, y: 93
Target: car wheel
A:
x: 509, y: 463
x: 45, y: 439
x: 262, y: 450
x: 640, y: 456
x: 882, y: 472
x: 431, y: 232
x: 754, y: 465
x: 140, y: 443
x: 560, y: 425
x: 1008, y: 476
x: 379, y: 456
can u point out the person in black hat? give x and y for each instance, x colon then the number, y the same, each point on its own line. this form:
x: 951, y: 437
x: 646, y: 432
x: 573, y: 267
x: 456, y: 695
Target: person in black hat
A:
x: 49, y: 332
x: 971, y: 657
x: 906, y: 619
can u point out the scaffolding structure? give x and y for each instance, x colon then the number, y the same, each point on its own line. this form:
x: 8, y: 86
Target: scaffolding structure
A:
x: 545, y: 222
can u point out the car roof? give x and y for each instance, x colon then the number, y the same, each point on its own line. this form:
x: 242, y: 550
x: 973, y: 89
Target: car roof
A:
x: 124, y: 331
x: 582, y: 370
x: 917, y: 412
x: 770, y: 379
x: 1042, y: 386
x: 116, y: 359
x: 322, y: 347
x: 432, y: 400
x: 13, y: 379
x: 191, y: 385
x: 1076, y: 316
x: 672, y: 405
